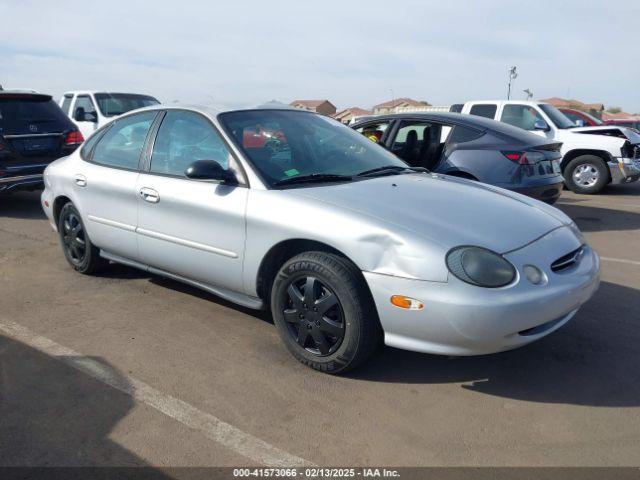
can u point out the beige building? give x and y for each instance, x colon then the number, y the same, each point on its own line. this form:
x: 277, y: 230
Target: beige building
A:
x: 324, y: 107
x: 395, y: 105
x: 345, y: 116
x: 595, y: 109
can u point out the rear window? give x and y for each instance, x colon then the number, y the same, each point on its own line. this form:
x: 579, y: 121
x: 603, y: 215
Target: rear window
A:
x: 113, y: 104
x: 31, y: 114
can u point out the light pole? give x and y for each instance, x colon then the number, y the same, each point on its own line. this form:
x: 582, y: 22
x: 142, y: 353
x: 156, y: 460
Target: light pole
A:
x: 512, y: 76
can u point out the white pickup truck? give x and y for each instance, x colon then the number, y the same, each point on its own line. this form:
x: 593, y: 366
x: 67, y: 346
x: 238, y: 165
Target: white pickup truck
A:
x: 89, y: 110
x: 592, y: 157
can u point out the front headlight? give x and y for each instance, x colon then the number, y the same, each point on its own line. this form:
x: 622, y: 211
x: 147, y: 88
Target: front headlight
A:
x: 481, y: 267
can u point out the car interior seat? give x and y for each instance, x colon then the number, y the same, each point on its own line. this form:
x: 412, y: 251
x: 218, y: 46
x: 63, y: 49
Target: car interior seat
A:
x: 409, y: 152
x: 431, y: 147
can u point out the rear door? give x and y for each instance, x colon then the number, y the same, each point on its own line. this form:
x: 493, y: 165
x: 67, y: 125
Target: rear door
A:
x: 105, y: 184
x: 192, y: 228
x: 33, y: 132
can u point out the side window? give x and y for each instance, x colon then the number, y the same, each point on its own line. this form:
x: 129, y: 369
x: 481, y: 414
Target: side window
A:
x: 420, y: 143
x: 522, y: 116
x: 486, y: 110
x: 66, y: 103
x: 122, y: 144
x: 183, y: 138
x: 83, y: 102
x: 374, y: 131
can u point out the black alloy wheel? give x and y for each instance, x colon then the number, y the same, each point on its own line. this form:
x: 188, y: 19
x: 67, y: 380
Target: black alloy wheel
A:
x: 73, y: 238
x: 314, y: 316
x: 324, y: 312
x: 81, y: 254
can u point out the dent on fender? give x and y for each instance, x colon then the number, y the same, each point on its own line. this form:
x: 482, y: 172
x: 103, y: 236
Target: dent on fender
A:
x: 388, y: 254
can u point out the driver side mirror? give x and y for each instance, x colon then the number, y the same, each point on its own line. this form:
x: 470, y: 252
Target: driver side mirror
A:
x: 210, y: 170
x: 541, y: 125
x: 80, y: 115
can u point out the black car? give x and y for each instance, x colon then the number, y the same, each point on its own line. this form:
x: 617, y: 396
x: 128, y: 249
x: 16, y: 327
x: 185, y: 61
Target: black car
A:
x: 33, y: 132
x: 472, y: 147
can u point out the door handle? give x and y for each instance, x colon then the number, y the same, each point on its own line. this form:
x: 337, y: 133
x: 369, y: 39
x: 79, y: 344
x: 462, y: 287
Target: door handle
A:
x: 81, y: 180
x: 149, y: 195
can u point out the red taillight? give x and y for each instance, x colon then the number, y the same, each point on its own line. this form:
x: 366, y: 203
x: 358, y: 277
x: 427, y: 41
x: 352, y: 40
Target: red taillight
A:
x: 517, y: 157
x: 73, y: 138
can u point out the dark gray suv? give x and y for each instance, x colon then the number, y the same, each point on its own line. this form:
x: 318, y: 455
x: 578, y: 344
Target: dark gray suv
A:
x: 472, y: 147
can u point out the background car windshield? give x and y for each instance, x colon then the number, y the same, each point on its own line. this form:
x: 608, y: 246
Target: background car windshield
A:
x: 112, y: 104
x: 287, y: 144
x: 557, y: 117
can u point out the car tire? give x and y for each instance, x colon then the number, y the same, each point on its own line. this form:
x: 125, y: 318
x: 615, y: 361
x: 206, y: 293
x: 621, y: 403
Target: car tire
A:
x: 81, y: 254
x: 350, y: 328
x: 587, y: 174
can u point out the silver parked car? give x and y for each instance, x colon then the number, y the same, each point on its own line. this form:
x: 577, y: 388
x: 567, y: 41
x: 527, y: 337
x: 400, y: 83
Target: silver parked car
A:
x: 344, y: 242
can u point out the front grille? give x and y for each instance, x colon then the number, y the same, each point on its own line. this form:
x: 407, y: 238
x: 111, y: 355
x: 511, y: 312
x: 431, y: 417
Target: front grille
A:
x: 567, y: 261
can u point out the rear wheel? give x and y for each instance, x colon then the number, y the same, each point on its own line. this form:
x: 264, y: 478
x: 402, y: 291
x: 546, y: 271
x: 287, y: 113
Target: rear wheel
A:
x: 324, y: 313
x: 81, y: 254
x: 586, y: 174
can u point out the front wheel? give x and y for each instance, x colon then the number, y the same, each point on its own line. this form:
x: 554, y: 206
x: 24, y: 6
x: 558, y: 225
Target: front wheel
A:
x: 81, y: 254
x: 586, y: 174
x: 324, y: 312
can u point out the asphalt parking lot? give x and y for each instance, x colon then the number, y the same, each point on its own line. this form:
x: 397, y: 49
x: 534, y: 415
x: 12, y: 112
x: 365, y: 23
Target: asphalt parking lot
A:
x: 131, y: 369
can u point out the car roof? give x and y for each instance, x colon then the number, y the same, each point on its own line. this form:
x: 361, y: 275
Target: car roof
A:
x: 463, y: 119
x: 111, y: 92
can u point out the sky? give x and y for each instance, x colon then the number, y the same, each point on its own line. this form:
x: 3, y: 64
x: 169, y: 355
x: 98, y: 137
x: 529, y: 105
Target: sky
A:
x: 236, y: 53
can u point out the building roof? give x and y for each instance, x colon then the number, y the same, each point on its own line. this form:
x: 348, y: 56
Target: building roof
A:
x: 397, y: 102
x: 355, y: 111
x: 309, y: 103
x: 620, y: 116
x: 563, y: 102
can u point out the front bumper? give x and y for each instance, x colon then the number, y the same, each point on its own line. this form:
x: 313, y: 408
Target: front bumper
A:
x: 461, y: 319
x: 624, y: 170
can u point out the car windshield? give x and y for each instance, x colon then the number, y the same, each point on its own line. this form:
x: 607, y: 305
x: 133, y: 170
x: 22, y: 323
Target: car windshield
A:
x: 113, y: 104
x: 286, y: 145
x: 558, y: 118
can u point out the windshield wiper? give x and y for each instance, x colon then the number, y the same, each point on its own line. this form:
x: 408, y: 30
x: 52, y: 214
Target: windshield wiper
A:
x: 314, y: 178
x: 390, y: 170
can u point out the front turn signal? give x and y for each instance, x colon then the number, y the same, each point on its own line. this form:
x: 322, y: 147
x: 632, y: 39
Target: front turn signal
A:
x: 406, y: 303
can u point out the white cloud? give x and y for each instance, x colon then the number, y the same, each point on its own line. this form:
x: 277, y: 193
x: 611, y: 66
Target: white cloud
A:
x: 245, y: 52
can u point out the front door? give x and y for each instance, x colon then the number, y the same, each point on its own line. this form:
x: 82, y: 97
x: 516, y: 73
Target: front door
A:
x: 84, y: 112
x: 192, y: 228
x: 106, y: 185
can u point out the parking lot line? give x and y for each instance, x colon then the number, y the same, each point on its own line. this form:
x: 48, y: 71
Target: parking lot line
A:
x: 212, y: 427
x: 620, y: 260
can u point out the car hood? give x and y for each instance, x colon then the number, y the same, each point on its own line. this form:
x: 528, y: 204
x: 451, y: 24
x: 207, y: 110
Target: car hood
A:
x: 629, y: 133
x: 446, y: 210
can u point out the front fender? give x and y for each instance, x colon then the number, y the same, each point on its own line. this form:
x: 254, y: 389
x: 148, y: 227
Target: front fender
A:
x: 274, y: 217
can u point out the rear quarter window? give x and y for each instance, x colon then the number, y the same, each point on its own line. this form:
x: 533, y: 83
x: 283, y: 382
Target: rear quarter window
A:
x: 460, y: 134
x: 484, y: 110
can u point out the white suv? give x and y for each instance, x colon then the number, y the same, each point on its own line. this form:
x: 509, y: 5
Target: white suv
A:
x: 89, y: 110
x: 592, y: 157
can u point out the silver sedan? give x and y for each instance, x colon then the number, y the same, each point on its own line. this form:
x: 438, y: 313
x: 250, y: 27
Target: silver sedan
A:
x: 346, y: 244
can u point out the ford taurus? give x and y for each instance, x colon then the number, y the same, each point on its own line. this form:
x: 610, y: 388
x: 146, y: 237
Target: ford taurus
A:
x: 346, y: 244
